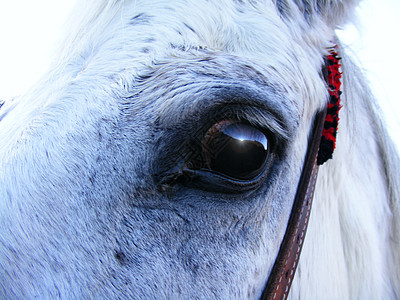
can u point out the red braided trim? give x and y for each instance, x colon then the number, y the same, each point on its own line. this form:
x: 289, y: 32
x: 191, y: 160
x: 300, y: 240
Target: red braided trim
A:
x: 328, y: 140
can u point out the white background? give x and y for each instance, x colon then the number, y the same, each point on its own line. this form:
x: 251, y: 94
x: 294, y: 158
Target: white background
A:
x: 30, y: 30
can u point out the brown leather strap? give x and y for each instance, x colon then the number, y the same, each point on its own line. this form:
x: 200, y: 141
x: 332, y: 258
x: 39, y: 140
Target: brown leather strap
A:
x: 283, y: 271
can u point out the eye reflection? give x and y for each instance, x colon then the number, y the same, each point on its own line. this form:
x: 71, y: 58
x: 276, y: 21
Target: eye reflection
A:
x: 245, y: 133
x: 235, y: 150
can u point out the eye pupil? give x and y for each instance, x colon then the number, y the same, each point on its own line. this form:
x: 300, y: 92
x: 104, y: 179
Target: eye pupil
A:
x: 236, y: 150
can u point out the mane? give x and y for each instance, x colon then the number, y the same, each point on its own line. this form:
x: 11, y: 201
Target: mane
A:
x: 358, y: 195
x: 389, y: 155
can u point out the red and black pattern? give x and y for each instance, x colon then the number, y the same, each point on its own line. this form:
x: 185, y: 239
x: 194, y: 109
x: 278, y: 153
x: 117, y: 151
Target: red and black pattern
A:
x: 328, y: 140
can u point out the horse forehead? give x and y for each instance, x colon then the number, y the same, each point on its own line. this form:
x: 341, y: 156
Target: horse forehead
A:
x: 230, y: 26
x: 151, y: 32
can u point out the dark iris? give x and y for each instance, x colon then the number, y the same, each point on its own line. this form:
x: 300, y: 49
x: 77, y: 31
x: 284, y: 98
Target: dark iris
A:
x: 236, y: 150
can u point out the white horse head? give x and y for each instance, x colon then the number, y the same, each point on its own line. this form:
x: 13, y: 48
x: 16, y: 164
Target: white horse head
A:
x: 111, y: 185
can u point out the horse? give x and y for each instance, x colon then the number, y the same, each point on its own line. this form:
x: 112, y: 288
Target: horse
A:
x: 116, y: 181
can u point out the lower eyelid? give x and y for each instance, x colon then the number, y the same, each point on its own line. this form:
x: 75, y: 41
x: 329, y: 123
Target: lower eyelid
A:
x: 215, y: 182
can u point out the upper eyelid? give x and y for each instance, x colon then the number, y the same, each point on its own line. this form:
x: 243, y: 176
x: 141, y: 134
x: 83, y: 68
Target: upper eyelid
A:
x: 262, y: 109
x: 185, y: 84
x: 265, y: 119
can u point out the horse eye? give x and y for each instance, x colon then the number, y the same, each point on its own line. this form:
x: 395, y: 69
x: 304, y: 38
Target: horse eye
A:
x: 236, y: 150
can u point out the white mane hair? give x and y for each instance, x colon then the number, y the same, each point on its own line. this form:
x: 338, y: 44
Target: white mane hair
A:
x: 362, y: 207
x: 49, y: 139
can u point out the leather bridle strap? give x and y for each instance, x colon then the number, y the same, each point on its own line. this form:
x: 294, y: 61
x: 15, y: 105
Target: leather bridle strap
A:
x: 283, y: 271
x: 320, y: 149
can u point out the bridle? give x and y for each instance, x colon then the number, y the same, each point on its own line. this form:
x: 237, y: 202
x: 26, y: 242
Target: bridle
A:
x: 320, y: 149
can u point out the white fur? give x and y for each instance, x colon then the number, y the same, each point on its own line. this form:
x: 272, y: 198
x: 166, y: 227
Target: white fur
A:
x: 353, y: 229
x: 80, y: 211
